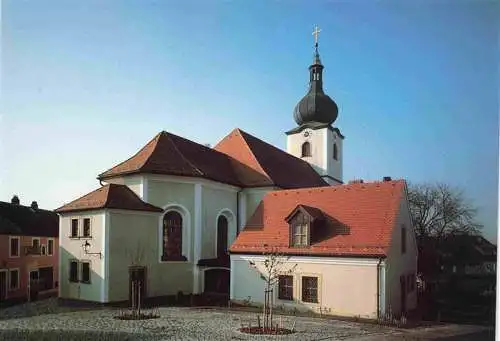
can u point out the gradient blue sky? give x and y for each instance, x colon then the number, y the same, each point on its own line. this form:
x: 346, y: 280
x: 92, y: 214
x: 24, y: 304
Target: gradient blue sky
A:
x: 85, y: 84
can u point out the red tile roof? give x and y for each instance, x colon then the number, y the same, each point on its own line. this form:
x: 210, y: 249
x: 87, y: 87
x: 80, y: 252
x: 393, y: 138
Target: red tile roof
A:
x: 272, y: 166
x: 240, y: 159
x: 109, y: 196
x: 170, y: 154
x: 359, y: 220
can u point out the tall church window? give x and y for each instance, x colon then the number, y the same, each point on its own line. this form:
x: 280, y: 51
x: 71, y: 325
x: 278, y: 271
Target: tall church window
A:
x: 335, y: 152
x: 172, y: 236
x: 221, y: 236
x: 306, y: 149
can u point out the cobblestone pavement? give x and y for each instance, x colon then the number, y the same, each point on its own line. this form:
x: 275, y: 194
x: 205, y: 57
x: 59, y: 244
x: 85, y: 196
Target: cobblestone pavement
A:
x: 176, y: 323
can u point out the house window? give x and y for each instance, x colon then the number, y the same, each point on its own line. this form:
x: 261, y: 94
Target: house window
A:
x: 13, y: 279
x: 403, y: 239
x: 285, y: 288
x: 74, y: 228
x: 306, y: 149
x: 14, y: 246
x: 335, y: 152
x: 221, y: 236
x: 86, y: 227
x: 73, y: 271
x: 85, y: 272
x: 172, y: 236
x: 35, y: 246
x: 310, y: 289
x: 50, y: 247
x: 299, y: 234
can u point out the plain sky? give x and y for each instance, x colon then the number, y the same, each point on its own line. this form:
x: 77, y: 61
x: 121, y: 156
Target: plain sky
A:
x: 85, y: 84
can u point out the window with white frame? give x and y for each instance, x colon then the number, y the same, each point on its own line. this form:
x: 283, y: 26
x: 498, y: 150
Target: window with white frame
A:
x: 14, y: 247
x: 74, y: 228
x: 310, y: 289
x: 79, y: 271
x: 86, y: 228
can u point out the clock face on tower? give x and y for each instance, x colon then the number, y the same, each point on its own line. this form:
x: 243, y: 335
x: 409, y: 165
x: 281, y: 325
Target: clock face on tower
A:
x: 307, y: 133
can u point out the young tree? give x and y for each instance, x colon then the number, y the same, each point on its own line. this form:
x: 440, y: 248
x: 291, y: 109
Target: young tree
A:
x: 275, y: 264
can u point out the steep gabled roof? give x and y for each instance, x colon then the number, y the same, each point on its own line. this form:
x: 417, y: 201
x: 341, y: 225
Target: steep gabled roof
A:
x: 109, y: 196
x: 359, y: 220
x: 273, y: 166
x: 170, y: 154
x: 26, y: 221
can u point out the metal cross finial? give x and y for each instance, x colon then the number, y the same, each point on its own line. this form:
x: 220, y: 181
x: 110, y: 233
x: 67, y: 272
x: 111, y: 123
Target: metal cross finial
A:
x: 316, y: 34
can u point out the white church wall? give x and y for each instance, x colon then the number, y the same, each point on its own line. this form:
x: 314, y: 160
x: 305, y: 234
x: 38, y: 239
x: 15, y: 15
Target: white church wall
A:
x: 253, y: 197
x: 134, y: 241
x: 399, y: 264
x: 316, y: 139
x: 134, y: 183
x: 162, y: 193
x: 72, y: 249
x: 216, y: 202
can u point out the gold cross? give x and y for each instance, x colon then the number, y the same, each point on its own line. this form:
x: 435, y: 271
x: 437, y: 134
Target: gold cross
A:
x: 316, y: 34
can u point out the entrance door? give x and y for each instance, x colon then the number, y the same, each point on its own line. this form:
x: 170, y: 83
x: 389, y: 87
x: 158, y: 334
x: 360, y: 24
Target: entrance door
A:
x: 46, y: 278
x: 137, y: 286
x: 217, y: 281
x: 3, y: 285
x: 403, y: 294
x: 34, y: 285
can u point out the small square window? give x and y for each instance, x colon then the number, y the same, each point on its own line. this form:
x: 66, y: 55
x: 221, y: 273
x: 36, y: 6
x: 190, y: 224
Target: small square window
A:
x: 14, y: 247
x: 86, y: 227
x: 85, y: 272
x: 310, y: 289
x: 285, y: 288
x: 73, y: 271
x: 50, y: 247
x: 74, y: 228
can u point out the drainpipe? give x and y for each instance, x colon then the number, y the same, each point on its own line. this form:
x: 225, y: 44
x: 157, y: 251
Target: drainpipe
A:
x: 378, y: 287
x: 238, y: 211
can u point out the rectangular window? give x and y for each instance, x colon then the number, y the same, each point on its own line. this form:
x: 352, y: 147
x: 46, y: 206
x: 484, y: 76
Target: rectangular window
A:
x: 35, y: 243
x: 74, y: 228
x: 73, y: 271
x: 285, y: 288
x: 403, y: 239
x: 300, y: 235
x: 14, y: 246
x: 50, y: 247
x: 13, y: 279
x: 310, y: 289
x: 85, y: 272
x: 86, y: 227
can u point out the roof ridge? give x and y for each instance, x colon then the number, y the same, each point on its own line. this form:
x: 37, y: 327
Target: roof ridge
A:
x: 154, y: 140
x: 242, y: 134
x: 108, y: 194
x: 182, y: 155
x: 278, y: 149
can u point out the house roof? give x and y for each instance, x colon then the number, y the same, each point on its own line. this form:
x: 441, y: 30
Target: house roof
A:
x: 109, y: 196
x: 170, y: 154
x: 26, y: 221
x: 359, y: 220
x: 271, y: 166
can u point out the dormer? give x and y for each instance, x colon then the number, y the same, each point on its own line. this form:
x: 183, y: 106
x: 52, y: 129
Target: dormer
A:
x: 302, y: 221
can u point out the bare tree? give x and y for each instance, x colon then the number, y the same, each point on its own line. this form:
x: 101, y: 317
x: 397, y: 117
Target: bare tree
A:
x: 276, y: 264
x: 439, y: 210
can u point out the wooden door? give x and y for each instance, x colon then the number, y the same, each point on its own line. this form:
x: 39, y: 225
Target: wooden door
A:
x: 137, y: 286
x: 3, y: 285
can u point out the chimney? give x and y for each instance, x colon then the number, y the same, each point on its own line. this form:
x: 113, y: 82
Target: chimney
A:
x: 15, y: 200
x: 34, y: 205
x: 356, y: 181
x: 387, y: 178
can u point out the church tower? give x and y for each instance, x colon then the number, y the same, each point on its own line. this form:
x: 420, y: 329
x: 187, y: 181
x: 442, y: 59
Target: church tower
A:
x: 315, y: 140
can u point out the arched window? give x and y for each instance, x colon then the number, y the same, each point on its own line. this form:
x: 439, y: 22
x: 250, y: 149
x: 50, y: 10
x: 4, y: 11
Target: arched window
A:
x: 221, y: 236
x: 172, y: 236
x: 335, y: 152
x: 306, y: 149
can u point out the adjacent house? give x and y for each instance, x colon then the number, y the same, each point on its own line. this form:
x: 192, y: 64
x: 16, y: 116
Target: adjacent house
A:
x: 352, y: 248
x: 29, y: 251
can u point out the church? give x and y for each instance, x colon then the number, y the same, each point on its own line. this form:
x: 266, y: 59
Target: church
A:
x: 179, y: 216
